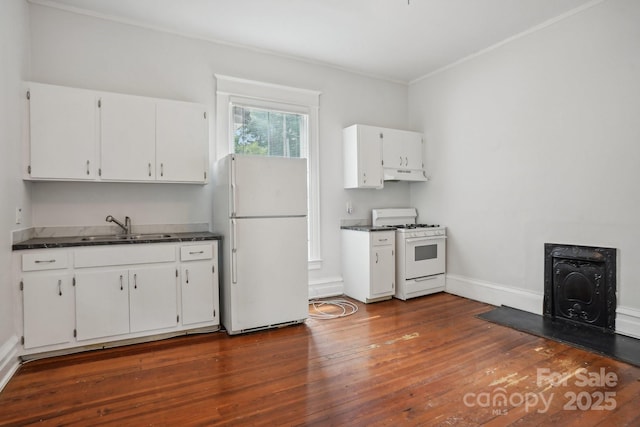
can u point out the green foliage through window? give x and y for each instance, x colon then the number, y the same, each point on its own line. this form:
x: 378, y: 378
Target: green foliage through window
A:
x: 269, y: 132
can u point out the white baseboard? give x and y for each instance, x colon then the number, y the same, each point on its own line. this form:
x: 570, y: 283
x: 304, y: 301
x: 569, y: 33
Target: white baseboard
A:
x: 9, y: 362
x: 327, y: 287
x: 494, y: 294
x: 628, y: 321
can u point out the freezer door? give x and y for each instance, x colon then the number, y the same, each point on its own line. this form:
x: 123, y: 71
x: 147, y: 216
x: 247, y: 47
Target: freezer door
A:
x: 269, y: 279
x: 268, y: 186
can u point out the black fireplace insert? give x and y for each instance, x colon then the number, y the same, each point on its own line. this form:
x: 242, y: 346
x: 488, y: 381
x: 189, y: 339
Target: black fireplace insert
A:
x: 580, y: 285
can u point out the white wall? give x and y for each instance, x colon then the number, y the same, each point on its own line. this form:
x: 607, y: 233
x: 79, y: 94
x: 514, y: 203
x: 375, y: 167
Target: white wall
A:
x: 14, y: 47
x: 537, y: 141
x: 81, y: 51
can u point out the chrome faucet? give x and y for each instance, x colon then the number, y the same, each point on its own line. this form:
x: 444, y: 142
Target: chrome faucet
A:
x: 126, y: 226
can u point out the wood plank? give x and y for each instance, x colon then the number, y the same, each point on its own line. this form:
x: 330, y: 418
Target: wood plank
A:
x: 391, y: 363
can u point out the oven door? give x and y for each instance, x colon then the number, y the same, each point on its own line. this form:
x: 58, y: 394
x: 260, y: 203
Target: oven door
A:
x: 424, y: 256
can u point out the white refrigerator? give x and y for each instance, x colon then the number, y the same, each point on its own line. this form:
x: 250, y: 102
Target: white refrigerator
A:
x: 260, y: 208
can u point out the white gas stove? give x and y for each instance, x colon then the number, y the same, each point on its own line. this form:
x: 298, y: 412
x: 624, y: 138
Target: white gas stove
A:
x: 420, y: 252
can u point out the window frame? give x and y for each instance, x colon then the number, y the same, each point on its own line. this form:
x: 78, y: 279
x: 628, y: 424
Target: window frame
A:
x: 262, y: 95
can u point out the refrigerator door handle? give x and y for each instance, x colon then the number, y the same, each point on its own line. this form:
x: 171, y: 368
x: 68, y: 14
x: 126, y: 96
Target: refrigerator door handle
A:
x: 233, y: 187
x: 234, y: 261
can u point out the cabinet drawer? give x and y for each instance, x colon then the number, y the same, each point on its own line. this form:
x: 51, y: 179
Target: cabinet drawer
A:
x: 382, y: 238
x: 45, y: 261
x: 124, y: 255
x: 195, y: 252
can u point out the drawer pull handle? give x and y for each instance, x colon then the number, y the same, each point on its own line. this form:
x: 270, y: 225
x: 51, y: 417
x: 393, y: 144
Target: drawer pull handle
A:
x: 45, y: 261
x: 383, y: 240
x: 196, y: 253
x: 60, y: 287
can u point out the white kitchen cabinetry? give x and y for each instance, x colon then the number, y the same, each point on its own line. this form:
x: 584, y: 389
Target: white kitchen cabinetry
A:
x: 181, y: 148
x: 135, y: 296
x: 127, y: 138
x: 48, y: 309
x: 362, y: 156
x: 368, y: 264
x: 199, y: 283
x: 48, y: 298
x: 152, y: 298
x: 88, y: 135
x: 102, y: 303
x: 91, y: 295
x: 120, y: 301
x: 63, y: 133
x: 402, y: 149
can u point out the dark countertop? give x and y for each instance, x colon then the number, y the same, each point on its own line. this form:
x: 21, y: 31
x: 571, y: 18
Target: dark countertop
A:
x: 368, y: 228
x: 70, y: 241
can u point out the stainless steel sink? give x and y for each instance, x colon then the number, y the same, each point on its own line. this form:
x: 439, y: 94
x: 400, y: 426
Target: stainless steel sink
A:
x: 107, y: 238
x: 144, y: 236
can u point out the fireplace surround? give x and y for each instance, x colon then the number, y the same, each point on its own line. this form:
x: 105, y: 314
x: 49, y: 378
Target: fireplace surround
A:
x: 580, y: 285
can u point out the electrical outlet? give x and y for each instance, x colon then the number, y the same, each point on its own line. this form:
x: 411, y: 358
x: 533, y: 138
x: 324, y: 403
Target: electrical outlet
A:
x: 349, y: 208
x: 18, y: 215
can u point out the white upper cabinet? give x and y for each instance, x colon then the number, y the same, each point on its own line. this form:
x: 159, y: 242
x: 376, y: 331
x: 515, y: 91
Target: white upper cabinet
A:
x: 127, y: 136
x: 181, y: 148
x: 362, y: 156
x: 402, y: 155
x: 88, y: 135
x: 63, y: 126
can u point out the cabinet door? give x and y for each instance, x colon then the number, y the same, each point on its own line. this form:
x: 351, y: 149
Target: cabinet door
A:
x: 152, y: 298
x: 182, y: 145
x: 393, y: 152
x: 370, y: 157
x: 402, y: 149
x: 63, y: 133
x: 128, y: 138
x: 412, y: 142
x: 199, y: 292
x: 102, y: 303
x: 382, y: 271
x: 48, y: 309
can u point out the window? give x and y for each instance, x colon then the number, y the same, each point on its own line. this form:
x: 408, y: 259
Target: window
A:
x: 269, y: 132
x: 272, y: 120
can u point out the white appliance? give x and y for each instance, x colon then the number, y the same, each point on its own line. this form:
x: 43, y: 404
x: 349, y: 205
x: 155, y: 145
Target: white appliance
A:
x: 420, y: 252
x: 260, y: 208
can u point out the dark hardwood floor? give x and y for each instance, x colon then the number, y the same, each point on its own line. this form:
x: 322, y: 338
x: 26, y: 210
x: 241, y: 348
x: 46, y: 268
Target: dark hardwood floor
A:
x: 427, y: 361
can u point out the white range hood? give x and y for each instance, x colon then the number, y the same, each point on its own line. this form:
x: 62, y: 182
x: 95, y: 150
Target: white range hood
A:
x: 395, y: 174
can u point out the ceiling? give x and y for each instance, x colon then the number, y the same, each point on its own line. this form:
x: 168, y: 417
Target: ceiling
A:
x: 398, y: 40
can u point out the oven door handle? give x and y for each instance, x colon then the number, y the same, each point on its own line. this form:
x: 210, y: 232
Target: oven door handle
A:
x: 420, y: 239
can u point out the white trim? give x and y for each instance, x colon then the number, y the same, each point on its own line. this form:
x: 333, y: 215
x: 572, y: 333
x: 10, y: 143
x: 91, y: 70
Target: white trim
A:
x: 328, y: 287
x: 9, y: 362
x: 494, y: 293
x: 508, y: 40
x: 628, y: 321
x: 267, y: 91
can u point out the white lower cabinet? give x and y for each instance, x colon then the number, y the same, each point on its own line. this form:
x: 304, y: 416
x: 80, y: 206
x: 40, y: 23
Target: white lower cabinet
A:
x: 102, y: 303
x: 116, y: 302
x: 152, y: 298
x: 368, y: 264
x: 91, y: 295
x: 48, y: 309
x: 199, y: 278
